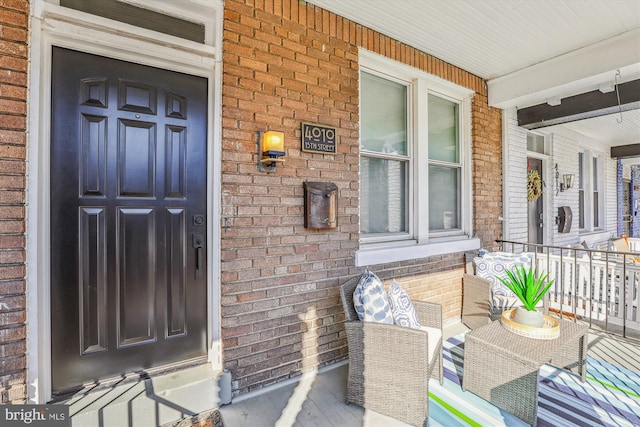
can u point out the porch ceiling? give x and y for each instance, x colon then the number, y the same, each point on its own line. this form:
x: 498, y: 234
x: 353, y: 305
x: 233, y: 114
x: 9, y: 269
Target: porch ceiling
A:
x: 530, y: 52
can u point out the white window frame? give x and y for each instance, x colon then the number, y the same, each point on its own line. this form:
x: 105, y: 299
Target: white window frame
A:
x: 587, y: 172
x: 581, y: 184
x: 597, y: 186
x: 404, y: 235
x: 420, y: 243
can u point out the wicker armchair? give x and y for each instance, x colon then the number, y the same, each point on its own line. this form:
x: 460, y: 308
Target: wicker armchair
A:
x: 389, y: 366
x: 479, y: 304
x: 476, y: 297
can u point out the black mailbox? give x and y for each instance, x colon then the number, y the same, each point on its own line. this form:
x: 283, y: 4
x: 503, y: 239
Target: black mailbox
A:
x: 565, y: 217
x: 320, y: 205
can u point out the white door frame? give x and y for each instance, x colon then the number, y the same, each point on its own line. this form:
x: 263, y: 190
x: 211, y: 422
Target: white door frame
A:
x: 545, y: 190
x: 52, y: 25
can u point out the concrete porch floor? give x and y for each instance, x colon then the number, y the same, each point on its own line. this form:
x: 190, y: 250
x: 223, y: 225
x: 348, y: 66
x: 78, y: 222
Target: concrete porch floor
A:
x: 158, y: 401
x: 316, y: 399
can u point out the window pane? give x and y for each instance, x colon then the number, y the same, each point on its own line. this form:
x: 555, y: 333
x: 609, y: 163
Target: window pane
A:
x: 384, y: 115
x: 580, y: 170
x: 596, y: 210
x: 141, y: 17
x: 443, y: 198
x: 595, y: 173
x: 581, y: 208
x: 443, y: 130
x: 383, y: 196
x: 535, y: 143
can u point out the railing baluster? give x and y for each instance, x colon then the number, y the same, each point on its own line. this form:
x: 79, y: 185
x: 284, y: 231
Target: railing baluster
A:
x: 593, y: 293
x: 623, y: 291
x: 602, y: 288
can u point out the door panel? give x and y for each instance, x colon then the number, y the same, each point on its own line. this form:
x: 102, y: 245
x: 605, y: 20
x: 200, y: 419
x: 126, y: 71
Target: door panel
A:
x: 92, y: 280
x: 128, y: 171
x: 175, y: 299
x: 135, y: 271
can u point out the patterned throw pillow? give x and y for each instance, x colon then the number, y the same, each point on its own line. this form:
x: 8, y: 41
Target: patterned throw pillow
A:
x: 494, y: 265
x: 401, y: 307
x: 370, y: 300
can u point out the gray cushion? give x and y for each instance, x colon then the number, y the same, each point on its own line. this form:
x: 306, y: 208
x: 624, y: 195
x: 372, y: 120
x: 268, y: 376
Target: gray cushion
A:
x: 401, y: 307
x: 370, y: 300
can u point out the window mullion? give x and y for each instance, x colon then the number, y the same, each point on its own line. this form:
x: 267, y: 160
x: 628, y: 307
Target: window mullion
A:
x: 385, y: 156
x: 421, y: 161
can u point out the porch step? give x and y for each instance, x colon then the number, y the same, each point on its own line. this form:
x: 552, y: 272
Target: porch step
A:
x: 150, y: 403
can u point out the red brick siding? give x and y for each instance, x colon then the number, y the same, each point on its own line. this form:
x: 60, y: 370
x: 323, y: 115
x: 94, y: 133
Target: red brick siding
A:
x: 486, y: 137
x: 13, y: 136
x: 287, y: 62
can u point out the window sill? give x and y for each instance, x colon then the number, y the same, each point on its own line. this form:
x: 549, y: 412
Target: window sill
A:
x: 594, y: 237
x: 370, y: 254
x: 593, y: 232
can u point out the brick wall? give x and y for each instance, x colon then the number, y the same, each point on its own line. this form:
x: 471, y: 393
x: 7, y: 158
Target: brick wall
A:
x: 13, y: 110
x: 284, y: 63
x: 486, y: 147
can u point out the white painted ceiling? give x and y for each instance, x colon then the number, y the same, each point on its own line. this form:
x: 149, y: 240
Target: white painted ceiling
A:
x: 502, y: 39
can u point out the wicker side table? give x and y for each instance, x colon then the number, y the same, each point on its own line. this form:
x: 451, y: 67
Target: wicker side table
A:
x: 502, y: 367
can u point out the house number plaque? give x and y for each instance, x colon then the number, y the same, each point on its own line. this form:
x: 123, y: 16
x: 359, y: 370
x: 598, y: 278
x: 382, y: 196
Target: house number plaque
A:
x: 318, y: 138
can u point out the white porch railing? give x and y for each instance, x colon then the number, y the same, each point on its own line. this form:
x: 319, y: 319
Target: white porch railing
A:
x: 600, y: 287
x: 634, y: 244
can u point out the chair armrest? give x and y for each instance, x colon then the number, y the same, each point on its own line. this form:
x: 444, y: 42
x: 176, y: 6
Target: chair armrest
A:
x: 476, y: 301
x: 395, y: 336
x: 429, y: 313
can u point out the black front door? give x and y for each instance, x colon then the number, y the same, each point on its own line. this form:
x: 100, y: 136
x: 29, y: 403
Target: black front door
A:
x: 128, y: 209
x: 535, y: 228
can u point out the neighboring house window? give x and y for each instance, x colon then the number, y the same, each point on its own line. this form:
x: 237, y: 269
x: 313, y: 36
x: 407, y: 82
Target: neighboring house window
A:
x: 596, y: 195
x: 590, y: 195
x: 414, y: 162
x: 581, y: 211
x: 537, y: 143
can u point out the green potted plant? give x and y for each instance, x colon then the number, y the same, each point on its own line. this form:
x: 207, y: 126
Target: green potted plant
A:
x: 530, y: 289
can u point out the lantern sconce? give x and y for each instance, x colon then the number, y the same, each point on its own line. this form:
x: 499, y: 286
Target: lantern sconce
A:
x: 270, y: 149
x: 567, y: 181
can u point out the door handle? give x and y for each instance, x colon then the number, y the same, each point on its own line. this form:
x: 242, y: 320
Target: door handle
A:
x: 198, y: 245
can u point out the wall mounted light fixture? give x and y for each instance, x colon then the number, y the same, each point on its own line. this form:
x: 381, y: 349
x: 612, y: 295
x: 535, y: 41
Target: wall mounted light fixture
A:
x: 566, y: 183
x: 270, y: 149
